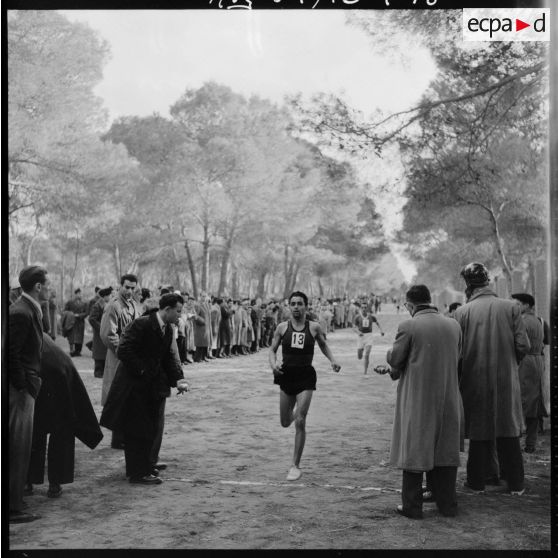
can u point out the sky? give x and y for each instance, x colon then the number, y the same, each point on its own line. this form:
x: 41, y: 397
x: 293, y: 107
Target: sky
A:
x: 157, y: 54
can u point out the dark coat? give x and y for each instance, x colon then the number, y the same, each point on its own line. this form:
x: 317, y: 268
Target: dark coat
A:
x: 25, y: 342
x: 79, y: 308
x: 494, y: 340
x: 148, y: 367
x: 63, y: 398
x: 99, y: 349
x: 225, y: 326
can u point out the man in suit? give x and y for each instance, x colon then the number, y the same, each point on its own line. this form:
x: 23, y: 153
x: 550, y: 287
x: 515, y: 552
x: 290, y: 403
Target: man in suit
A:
x: 25, y: 341
x: 149, y: 366
x: 428, y: 411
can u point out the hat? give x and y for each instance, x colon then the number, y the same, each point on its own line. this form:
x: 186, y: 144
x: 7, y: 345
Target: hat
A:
x: 106, y: 291
x: 525, y: 298
x: 475, y: 275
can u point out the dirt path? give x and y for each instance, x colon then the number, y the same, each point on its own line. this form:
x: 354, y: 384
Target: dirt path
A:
x: 228, y: 457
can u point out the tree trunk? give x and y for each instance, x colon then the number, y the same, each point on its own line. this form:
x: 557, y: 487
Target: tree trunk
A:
x: 176, y: 266
x: 320, y: 287
x: 234, y: 282
x: 76, y: 259
x: 261, y: 284
x: 192, y: 269
x: 62, y: 278
x: 500, y: 249
x: 225, y: 264
x: 205, y: 256
x: 117, y: 264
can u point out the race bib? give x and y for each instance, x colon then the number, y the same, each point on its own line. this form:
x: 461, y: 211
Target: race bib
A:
x: 365, y: 322
x: 297, y: 340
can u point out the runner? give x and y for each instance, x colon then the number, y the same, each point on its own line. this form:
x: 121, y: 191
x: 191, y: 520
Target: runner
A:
x: 296, y: 376
x: 363, y: 327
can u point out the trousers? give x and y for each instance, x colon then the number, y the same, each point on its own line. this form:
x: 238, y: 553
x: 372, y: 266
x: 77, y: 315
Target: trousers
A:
x: 20, y: 436
x: 510, y: 461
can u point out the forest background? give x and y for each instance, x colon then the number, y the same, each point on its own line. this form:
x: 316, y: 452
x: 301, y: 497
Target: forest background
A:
x: 241, y: 196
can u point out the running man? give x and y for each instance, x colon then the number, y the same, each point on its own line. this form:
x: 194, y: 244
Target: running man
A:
x: 296, y: 376
x: 363, y: 328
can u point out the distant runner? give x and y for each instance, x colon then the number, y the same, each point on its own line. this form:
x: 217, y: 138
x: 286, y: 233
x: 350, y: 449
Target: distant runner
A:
x: 296, y: 376
x: 363, y: 328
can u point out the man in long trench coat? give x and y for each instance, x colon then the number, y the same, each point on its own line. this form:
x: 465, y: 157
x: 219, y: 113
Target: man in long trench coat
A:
x: 494, y: 342
x: 531, y: 369
x: 120, y: 311
x: 427, y: 426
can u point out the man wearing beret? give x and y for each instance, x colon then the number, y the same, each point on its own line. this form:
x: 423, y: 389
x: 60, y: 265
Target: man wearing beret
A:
x: 25, y: 340
x: 494, y: 342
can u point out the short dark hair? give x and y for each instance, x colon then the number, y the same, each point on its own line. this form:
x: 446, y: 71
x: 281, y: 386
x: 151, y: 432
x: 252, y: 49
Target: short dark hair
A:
x: 128, y: 277
x: 301, y: 295
x: 454, y: 306
x: 77, y: 291
x: 170, y: 300
x: 97, y: 289
x: 31, y: 275
x: 418, y: 294
x: 525, y: 298
x: 145, y: 294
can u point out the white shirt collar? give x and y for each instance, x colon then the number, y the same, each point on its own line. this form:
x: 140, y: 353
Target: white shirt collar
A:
x: 34, y: 302
x: 161, y: 323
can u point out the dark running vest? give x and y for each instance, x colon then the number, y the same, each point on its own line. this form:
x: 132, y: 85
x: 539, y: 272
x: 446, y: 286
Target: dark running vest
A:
x: 297, y: 346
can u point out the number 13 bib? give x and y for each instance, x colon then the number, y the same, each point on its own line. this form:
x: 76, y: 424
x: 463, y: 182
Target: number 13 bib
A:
x: 297, y: 340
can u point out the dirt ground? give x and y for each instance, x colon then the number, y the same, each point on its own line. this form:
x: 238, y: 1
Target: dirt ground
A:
x: 228, y: 456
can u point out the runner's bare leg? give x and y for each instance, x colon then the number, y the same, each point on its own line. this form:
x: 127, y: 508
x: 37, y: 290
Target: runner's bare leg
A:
x: 302, y: 406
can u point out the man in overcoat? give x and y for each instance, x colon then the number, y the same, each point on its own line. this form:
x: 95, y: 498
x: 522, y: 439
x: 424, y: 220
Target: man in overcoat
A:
x: 98, y: 348
x: 149, y: 366
x: 225, y: 329
x: 531, y: 369
x: 494, y: 342
x: 119, y: 311
x: 76, y: 333
x: 202, y: 329
x: 63, y: 411
x: 427, y: 426
x: 25, y: 341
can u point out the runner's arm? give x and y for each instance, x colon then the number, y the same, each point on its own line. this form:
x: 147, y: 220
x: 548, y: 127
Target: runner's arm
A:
x: 279, y: 332
x: 319, y: 336
x: 374, y: 319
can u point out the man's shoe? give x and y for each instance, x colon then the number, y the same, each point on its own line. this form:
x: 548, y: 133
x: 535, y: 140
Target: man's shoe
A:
x: 407, y: 513
x: 148, y: 479
x: 517, y: 492
x: 294, y: 473
x: 54, y: 491
x: 22, y: 517
x: 529, y: 449
x: 28, y: 490
x: 468, y: 487
x: 427, y: 495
